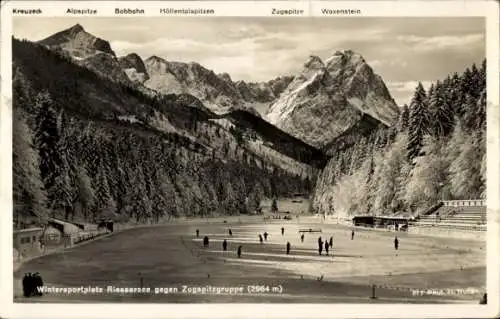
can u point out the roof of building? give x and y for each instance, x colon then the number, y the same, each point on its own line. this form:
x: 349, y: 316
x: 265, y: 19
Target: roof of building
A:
x: 27, y: 230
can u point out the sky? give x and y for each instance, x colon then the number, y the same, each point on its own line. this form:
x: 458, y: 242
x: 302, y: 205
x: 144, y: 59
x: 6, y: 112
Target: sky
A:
x: 402, y: 51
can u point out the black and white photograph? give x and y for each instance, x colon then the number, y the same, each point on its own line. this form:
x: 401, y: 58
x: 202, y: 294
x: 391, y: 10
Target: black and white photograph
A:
x: 249, y: 160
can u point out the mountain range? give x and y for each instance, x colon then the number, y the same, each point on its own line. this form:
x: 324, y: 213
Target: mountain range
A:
x: 326, y: 99
x: 194, y: 133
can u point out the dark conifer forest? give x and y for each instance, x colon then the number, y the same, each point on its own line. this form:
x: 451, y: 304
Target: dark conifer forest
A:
x: 87, y: 148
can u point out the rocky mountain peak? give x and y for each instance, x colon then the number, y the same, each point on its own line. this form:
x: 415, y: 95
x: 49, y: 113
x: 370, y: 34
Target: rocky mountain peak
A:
x: 329, y: 97
x: 345, y: 60
x: 132, y: 60
x: 155, y: 58
x: 226, y: 77
x: 78, y: 43
x: 134, y: 67
x: 76, y: 28
x: 314, y: 63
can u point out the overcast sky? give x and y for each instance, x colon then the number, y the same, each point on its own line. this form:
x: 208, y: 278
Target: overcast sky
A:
x: 401, y: 50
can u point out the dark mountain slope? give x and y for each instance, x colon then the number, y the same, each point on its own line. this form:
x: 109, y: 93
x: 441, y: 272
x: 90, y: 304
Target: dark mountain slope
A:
x: 279, y: 140
x: 116, y: 152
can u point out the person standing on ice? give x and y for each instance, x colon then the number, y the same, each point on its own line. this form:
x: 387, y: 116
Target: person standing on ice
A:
x: 265, y: 236
x: 326, y: 247
x: 197, y: 233
x: 260, y: 239
x: 282, y: 231
x: 239, y: 251
x: 331, y: 241
x: 224, y: 245
x: 396, y: 243
x: 302, y: 237
x: 320, y: 245
x: 288, y: 248
x: 352, y: 234
x: 230, y: 232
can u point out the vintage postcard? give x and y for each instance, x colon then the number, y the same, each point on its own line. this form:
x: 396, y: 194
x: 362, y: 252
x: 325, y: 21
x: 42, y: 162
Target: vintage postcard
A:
x: 298, y: 159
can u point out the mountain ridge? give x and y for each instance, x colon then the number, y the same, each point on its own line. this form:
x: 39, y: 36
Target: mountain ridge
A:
x: 325, y: 100
x: 328, y: 97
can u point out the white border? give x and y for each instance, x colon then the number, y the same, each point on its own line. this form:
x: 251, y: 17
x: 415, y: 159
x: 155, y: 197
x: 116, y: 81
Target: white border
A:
x: 488, y: 9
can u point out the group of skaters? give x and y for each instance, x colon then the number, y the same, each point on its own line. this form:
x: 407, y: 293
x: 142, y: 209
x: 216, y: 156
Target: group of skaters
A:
x: 206, y: 242
x: 327, y: 245
x: 31, y: 281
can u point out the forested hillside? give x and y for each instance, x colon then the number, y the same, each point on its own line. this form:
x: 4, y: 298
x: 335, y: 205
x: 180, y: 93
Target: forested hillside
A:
x: 85, y: 148
x: 436, y: 151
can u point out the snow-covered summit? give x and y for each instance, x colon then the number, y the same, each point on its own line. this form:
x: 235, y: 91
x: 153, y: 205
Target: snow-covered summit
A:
x: 330, y: 96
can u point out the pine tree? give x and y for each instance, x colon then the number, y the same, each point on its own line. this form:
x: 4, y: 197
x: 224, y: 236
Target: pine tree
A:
x: 476, y: 82
x: 428, y: 177
x: 388, y: 171
x: 483, y: 74
x: 479, y: 122
x: 28, y: 191
x: 48, y: 144
x: 105, y: 204
x: 469, y: 108
x: 64, y: 188
x: 484, y: 171
x: 403, y: 121
x: 442, y: 117
x: 230, y: 200
x: 467, y: 82
x: 274, y: 206
x: 418, y: 122
x: 84, y: 192
x: 465, y: 171
x: 256, y: 196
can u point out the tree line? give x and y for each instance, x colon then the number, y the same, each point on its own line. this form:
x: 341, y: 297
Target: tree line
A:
x: 72, y: 161
x: 435, y: 151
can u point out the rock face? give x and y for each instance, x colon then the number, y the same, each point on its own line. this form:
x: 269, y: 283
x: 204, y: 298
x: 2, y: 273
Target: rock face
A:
x: 263, y: 92
x: 78, y: 43
x: 327, y: 98
x: 216, y: 92
x: 134, y: 67
x: 88, y: 51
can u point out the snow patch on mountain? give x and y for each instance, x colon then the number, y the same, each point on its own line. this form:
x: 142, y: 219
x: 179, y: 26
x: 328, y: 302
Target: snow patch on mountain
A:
x: 134, y: 67
x: 329, y: 97
x: 129, y: 118
x: 134, y: 76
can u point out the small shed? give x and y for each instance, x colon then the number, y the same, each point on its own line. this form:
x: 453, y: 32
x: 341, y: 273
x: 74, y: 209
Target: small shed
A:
x: 367, y: 221
x: 86, y: 226
x: 64, y: 227
x: 26, y: 238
